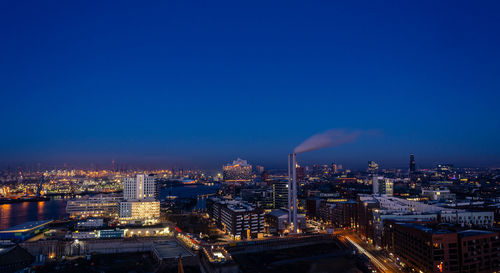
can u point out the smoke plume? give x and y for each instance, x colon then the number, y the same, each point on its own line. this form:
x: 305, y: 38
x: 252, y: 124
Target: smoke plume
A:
x: 326, y: 139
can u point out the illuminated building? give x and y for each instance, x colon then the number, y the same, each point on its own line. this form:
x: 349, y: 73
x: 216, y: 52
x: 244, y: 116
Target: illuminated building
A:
x: 140, y: 205
x: 24, y: 231
x: 99, y: 206
x: 372, y: 167
x: 374, y: 210
x: 280, y: 194
x: 140, y: 212
x: 239, y: 219
x: 438, y: 249
x: 334, y: 168
x: 386, y: 186
x: 140, y: 187
x: 444, y: 169
x: 238, y: 171
x: 382, y: 185
x: 438, y: 194
x: 278, y: 221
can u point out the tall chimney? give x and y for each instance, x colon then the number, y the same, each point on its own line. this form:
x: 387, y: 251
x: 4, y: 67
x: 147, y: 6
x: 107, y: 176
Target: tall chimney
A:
x: 294, y: 195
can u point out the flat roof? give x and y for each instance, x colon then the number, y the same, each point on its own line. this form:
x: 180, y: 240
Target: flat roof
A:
x: 472, y: 232
x: 27, y: 226
x: 424, y: 228
x: 171, y: 249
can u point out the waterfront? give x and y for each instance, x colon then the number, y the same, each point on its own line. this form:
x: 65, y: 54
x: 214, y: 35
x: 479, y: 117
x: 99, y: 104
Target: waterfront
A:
x: 17, y: 213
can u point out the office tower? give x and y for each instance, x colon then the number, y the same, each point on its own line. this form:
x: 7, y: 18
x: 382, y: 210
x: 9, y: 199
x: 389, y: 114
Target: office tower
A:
x: 140, y: 187
x: 238, y: 171
x: 280, y: 194
x: 260, y: 169
x: 372, y: 167
x: 412, y: 163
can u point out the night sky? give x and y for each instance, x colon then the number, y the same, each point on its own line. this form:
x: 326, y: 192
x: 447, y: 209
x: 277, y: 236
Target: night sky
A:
x: 197, y: 84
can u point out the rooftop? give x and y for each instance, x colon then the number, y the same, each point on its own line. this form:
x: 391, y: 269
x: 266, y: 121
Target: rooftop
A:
x: 170, y: 249
x: 472, y: 232
x: 27, y: 226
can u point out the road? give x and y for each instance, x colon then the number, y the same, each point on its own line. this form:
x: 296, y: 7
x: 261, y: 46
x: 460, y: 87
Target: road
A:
x: 377, y: 257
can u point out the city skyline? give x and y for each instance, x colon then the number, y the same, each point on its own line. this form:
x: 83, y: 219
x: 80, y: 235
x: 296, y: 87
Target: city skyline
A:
x: 174, y: 84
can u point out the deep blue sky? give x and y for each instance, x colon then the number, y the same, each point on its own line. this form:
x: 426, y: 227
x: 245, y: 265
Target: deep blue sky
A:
x: 190, y: 83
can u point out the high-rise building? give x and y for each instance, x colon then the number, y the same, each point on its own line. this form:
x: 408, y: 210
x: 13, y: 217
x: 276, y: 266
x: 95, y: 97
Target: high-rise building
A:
x: 140, y: 203
x: 280, y: 194
x: 141, y: 187
x: 372, y: 167
x: 382, y: 185
x: 238, y: 171
x: 260, y: 169
x: 386, y: 186
x: 412, y: 163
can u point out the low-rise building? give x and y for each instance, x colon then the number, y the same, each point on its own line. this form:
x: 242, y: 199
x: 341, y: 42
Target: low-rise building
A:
x: 99, y: 206
x: 24, y: 231
x: 440, y: 248
x: 237, y: 218
x: 139, y: 212
x: 277, y: 220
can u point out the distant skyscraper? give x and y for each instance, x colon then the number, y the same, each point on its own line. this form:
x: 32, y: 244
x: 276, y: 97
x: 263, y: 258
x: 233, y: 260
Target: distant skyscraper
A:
x: 372, y: 167
x: 412, y: 163
x: 239, y: 170
x: 260, y: 169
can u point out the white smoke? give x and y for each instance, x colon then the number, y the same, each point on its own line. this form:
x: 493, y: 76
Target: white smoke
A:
x: 327, y: 139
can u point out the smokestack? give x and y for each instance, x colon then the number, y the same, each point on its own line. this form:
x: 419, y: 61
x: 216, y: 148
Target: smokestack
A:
x: 290, y: 188
x: 292, y: 191
x: 294, y: 196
